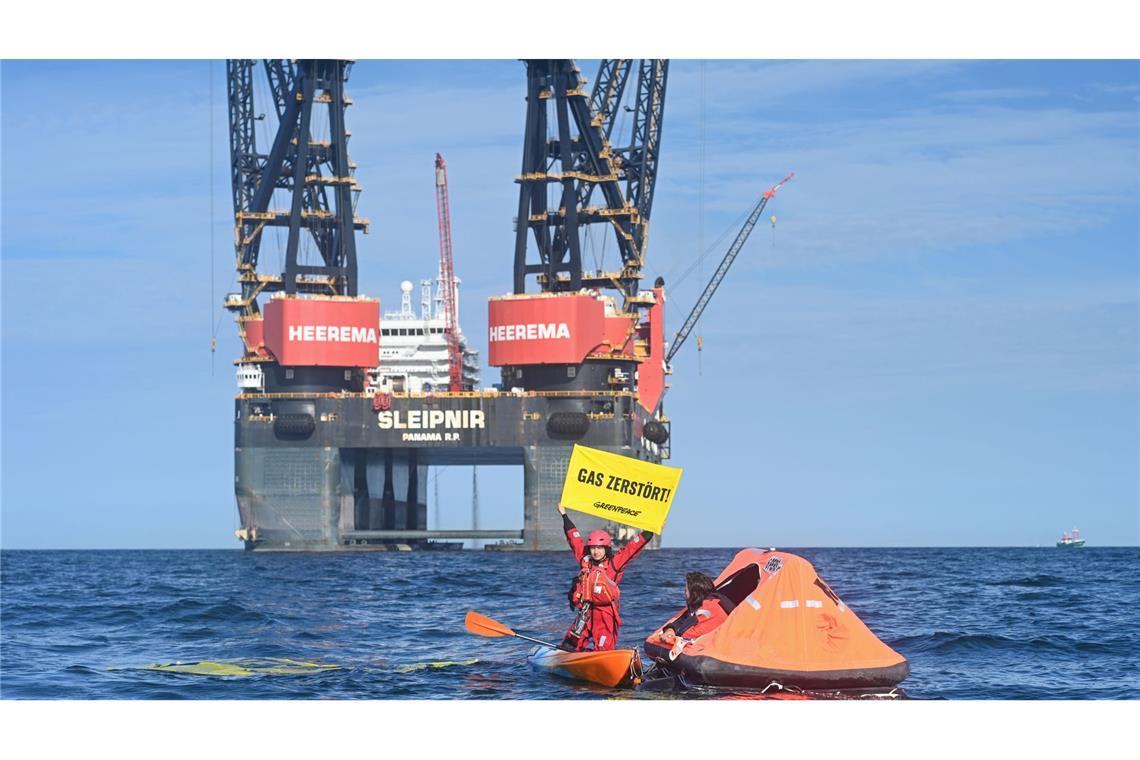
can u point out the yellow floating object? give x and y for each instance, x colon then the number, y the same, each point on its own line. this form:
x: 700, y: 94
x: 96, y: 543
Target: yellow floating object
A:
x: 202, y: 668
x: 773, y: 220
x: 237, y: 668
x: 432, y: 665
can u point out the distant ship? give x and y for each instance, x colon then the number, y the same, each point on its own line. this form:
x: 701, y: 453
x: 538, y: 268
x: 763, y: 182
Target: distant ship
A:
x: 1073, y: 540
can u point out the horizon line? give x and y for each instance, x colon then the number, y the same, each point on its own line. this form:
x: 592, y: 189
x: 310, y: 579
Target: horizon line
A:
x: 382, y: 551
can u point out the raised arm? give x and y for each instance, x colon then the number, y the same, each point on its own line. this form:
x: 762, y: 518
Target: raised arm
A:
x: 631, y: 550
x: 573, y: 537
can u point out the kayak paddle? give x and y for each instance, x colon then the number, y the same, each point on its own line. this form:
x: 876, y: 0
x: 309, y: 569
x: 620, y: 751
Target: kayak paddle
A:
x: 481, y: 625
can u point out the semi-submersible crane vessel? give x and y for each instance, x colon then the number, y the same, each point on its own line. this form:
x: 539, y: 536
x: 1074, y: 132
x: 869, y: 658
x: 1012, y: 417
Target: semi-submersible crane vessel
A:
x: 326, y: 455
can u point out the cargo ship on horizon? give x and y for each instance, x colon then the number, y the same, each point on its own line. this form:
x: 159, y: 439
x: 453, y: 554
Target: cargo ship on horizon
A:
x: 1072, y: 540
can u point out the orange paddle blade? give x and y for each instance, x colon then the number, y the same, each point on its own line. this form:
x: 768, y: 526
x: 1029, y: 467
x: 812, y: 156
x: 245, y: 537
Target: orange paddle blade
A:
x: 481, y: 625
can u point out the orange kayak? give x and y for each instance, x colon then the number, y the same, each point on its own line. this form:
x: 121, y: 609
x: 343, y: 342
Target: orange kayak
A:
x: 615, y: 667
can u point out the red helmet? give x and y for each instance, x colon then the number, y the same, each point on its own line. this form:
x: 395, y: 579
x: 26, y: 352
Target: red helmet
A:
x: 599, y: 538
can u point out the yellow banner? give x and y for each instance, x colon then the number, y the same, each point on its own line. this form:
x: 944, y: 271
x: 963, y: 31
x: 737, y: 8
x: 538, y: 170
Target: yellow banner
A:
x: 618, y: 488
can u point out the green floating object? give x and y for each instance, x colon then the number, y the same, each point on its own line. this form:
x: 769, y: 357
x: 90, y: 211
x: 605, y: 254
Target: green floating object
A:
x: 238, y: 668
x: 432, y: 665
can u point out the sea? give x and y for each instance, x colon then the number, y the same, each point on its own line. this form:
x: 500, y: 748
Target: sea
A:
x: 975, y: 623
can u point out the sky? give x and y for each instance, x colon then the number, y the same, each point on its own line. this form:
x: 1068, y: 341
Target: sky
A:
x: 937, y: 344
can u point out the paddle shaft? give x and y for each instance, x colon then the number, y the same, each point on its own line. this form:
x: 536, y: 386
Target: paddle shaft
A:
x: 536, y: 641
x: 481, y: 625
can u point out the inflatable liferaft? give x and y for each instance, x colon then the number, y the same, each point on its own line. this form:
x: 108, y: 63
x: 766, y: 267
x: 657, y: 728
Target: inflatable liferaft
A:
x: 788, y: 627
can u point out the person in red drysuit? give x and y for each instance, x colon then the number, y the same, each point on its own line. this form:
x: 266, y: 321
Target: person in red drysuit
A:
x: 705, y: 609
x: 595, y: 594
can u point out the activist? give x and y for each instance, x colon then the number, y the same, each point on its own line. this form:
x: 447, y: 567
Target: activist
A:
x: 595, y: 593
x: 705, y: 609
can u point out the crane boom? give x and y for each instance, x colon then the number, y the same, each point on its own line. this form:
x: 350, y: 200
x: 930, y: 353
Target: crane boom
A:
x: 315, y: 175
x: 447, y: 277
x: 722, y: 270
x: 567, y: 155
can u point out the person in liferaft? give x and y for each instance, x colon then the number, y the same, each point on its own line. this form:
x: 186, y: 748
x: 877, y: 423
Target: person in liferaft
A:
x: 595, y: 594
x: 705, y: 609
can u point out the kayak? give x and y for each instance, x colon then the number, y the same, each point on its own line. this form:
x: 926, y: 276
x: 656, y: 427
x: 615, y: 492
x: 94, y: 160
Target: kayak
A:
x: 612, y: 668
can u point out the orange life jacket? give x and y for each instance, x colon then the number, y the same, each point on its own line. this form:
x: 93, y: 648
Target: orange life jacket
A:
x: 597, y: 585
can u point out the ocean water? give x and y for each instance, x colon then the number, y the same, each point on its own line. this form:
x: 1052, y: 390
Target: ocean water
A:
x: 1004, y: 624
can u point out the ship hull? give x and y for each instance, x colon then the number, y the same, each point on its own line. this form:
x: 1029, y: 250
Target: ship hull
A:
x: 331, y: 472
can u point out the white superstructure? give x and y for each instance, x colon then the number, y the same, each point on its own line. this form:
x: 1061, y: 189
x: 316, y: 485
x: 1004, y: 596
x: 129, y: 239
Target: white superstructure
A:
x: 413, y: 347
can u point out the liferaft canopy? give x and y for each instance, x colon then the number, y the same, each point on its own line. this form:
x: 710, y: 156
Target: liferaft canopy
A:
x: 788, y: 626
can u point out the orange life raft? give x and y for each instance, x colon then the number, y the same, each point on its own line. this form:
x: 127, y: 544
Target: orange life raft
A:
x: 787, y: 627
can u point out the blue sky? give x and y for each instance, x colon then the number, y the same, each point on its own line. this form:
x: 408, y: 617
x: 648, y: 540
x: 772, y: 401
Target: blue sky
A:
x: 937, y: 345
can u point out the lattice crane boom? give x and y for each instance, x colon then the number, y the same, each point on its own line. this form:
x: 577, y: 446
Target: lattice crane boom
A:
x: 722, y: 270
x: 568, y: 155
x: 314, y: 176
x: 447, y: 277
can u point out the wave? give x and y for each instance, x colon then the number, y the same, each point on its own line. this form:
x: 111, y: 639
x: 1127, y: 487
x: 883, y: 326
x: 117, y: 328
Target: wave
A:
x: 187, y: 611
x: 1033, y: 581
x: 943, y: 642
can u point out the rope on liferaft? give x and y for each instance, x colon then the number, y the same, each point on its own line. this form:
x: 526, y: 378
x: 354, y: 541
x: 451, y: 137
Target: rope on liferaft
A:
x: 636, y: 672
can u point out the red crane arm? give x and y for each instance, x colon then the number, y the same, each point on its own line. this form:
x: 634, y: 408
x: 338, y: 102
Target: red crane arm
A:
x: 447, y: 276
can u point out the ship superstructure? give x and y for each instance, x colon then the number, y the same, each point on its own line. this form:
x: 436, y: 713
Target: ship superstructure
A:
x: 413, y: 347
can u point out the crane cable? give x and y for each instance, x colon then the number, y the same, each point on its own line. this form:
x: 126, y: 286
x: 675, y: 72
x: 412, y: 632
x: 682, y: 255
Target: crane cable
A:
x: 433, y: 479
x: 213, y: 326
x: 701, y: 201
x: 233, y: 279
x: 217, y: 322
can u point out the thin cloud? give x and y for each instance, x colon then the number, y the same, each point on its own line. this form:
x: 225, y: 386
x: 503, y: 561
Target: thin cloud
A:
x: 996, y: 93
x: 915, y: 182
